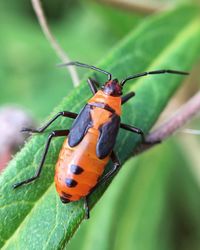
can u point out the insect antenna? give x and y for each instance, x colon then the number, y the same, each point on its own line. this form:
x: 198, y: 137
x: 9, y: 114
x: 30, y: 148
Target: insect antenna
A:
x: 155, y: 72
x: 83, y: 65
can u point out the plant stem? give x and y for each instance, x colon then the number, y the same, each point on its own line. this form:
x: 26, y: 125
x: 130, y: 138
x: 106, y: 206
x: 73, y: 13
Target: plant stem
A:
x: 55, y: 45
x: 183, y: 115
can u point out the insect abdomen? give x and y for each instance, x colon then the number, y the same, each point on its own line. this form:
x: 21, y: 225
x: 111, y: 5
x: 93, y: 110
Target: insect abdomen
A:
x: 78, y: 169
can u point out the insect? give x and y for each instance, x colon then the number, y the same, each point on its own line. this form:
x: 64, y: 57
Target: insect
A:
x: 91, y: 139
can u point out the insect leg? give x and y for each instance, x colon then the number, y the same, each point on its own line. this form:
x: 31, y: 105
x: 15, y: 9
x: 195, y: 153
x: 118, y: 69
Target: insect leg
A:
x: 127, y: 97
x: 42, y: 129
x: 86, y: 207
x: 111, y: 173
x: 53, y: 134
x: 93, y: 85
x: 137, y: 131
x: 134, y: 130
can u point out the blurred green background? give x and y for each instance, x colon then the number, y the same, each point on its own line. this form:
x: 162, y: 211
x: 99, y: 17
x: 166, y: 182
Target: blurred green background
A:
x: 78, y: 26
x: 170, y: 217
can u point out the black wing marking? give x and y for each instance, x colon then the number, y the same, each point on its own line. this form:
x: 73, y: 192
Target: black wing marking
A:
x: 107, y: 137
x: 80, y: 126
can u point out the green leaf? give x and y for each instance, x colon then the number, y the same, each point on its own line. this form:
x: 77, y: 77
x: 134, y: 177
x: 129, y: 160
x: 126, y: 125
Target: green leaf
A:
x: 33, y: 217
x: 184, y: 204
x: 145, y: 207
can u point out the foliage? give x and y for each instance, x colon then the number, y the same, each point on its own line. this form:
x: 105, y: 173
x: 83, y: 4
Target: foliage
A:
x: 143, y: 208
x: 28, y: 69
x: 33, y: 216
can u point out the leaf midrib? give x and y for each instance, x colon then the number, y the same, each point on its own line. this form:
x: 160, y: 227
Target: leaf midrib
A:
x: 188, y: 30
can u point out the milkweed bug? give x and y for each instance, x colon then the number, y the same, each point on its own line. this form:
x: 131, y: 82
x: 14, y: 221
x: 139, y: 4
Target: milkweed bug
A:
x: 91, y: 139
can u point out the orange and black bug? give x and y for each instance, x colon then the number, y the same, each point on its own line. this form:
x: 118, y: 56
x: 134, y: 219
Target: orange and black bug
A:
x: 91, y: 139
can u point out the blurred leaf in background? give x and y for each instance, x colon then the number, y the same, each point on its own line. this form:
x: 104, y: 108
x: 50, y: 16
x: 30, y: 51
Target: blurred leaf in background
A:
x: 28, y: 69
x: 153, y: 204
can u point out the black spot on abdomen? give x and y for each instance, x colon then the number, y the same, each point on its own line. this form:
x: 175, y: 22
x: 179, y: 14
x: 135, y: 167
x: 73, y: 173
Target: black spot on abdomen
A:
x: 70, y: 182
x: 64, y: 200
x: 75, y: 169
x: 65, y: 195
